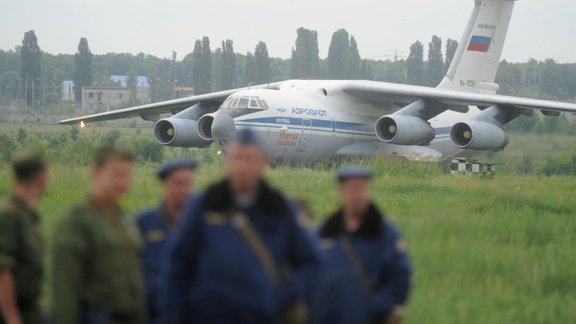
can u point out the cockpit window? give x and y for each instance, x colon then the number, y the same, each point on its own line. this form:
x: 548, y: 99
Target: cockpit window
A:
x: 263, y: 104
x: 243, y: 103
x: 252, y: 102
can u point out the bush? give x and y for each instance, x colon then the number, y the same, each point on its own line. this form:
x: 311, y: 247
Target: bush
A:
x: 561, y: 164
x: 146, y: 150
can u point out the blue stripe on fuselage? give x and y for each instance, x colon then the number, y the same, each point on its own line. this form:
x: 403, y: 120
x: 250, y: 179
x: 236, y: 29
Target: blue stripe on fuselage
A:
x: 320, y: 123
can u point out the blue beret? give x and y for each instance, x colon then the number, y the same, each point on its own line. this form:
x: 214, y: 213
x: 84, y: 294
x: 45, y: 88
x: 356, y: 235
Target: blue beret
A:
x: 353, y: 172
x: 167, y: 168
x: 246, y: 136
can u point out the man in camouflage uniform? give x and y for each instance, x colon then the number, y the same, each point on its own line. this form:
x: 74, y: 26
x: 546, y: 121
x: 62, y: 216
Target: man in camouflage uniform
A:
x: 96, y: 266
x: 20, y: 242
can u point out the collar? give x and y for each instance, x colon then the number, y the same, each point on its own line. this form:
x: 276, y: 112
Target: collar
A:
x: 102, y: 208
x: 165, y: 215
x: 20, y: 204
x: 371, y: 226
x: 219, y: 197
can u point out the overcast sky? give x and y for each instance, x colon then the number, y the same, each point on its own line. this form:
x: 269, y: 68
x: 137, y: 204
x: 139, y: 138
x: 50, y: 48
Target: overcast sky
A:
x: 539, y: 29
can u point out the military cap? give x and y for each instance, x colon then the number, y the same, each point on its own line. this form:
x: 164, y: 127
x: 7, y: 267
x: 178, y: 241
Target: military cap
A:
x: 170, y: 166
x: 246, y: 136
x: 353, y: 172
x: 27, y: 165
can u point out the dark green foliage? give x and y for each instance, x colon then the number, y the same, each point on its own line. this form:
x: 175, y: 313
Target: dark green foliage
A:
x: 262, y: 68
x: 435, y: 69
x: 147, y: 150
x: 451, y: 47
x: 563, y: 163
x: 82, y: 76
x: 339, y: 55
x: 249, y: 70
x: 74, y: 133
x: 415, y: 64
x: 228, y: 68
x: 30, y: 68
x: 355, y: 68
x: 305, y: 60
x: 111, y: 137
x: 202, y: 66
x: 344, y: 62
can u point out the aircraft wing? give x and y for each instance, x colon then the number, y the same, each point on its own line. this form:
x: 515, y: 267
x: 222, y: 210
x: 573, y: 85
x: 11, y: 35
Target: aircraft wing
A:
x: 149, y: 111
x: 400, y: 93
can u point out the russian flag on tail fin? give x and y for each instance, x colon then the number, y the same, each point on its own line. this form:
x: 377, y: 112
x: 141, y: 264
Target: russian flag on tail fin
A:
x: 479, y: 43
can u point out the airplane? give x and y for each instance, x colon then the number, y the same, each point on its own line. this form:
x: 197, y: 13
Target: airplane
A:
x: 306, y: 121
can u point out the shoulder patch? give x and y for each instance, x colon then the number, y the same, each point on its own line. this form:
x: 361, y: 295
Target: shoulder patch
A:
x: 155, y: 236
x: 215, y: 219
x: 401, y: 245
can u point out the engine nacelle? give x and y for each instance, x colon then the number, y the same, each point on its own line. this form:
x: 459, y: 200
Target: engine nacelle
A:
x: 179, y: 132
x: 404, y: 130
x: 216, y: 126
x: 205, y: 127
x: 478, y: 135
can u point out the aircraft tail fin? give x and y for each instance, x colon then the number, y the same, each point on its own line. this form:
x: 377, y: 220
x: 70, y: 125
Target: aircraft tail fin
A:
x: 475, y: 63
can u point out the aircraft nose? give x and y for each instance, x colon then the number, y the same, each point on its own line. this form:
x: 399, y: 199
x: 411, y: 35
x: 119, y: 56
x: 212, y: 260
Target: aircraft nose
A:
x: 223, y: 126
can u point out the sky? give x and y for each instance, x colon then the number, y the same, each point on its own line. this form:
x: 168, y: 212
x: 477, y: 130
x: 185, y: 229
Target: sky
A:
x: 539, y: 29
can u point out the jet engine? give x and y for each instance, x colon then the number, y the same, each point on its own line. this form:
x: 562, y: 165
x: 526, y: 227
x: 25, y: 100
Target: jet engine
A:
x: 178, y: 132
x: 404, y: 130
x: 216, y: 126
x: 478, y: 135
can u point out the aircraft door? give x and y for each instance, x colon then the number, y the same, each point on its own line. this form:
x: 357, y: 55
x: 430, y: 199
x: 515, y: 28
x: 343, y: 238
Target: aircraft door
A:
x: 304, y: 136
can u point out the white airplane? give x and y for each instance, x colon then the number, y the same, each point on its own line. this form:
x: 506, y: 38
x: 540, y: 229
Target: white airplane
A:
x: 306, y: 121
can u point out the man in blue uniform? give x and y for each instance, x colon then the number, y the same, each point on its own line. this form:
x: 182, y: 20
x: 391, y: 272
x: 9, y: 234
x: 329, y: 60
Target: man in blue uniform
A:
x: 367, y: 269
x: 157, y: 224
x: 227, y: 260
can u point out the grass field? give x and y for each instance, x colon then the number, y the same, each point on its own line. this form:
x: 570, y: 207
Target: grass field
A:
x: 500, y: 250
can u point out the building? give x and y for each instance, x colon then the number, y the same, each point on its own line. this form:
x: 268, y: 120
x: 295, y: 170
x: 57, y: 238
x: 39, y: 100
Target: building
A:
x: 467, y: 166
x: 106, y: 98
x: 183, y: 91
x: 101, y: 99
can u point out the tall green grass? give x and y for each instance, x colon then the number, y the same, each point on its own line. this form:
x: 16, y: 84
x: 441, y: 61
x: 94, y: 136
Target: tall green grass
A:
x: 498, y: 250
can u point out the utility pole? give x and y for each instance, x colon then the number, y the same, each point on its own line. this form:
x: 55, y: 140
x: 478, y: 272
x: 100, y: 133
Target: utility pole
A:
x: 26, y: 91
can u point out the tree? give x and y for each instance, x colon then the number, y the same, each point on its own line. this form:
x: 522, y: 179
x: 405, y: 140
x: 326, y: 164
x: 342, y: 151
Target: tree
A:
x: 132, y: 83
x: 451, y: 47
x: 366, y: 71
x: 30, y: 68
x: 228, y: 71
x: 202, y: 66
x: 82, y: 76
x: 435, y: 69
x: 415, y: 64
x: 339, y: 55
x: 217, y: 70
x: 305, y: 62
x: 249, y: 70
x: 261, y: 64
x: 355, y: 66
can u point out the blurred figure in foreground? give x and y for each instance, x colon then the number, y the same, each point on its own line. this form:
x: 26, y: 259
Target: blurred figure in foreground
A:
x: 157, y: 224
x: 20, y: 242
x: 96, y: 265
x: 226, y: 261
x: 367, y: 273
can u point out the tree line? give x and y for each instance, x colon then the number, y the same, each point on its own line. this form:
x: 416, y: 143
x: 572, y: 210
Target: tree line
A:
x: 36, y: 77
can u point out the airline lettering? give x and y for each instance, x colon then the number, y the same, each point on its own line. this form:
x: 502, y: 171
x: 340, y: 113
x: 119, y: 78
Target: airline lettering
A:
x: 310, y: 112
